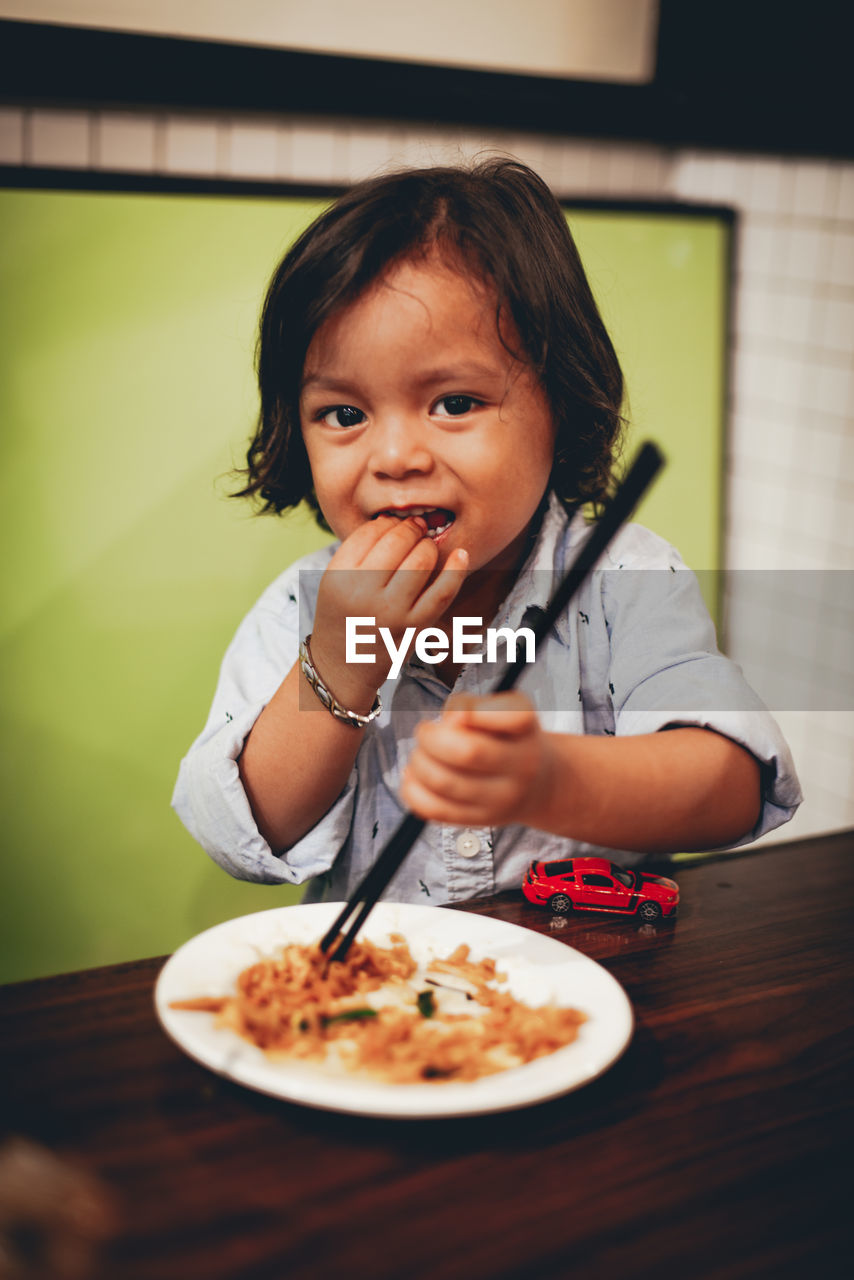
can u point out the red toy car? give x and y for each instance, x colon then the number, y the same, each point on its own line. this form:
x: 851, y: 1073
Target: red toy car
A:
x: 595, y: 884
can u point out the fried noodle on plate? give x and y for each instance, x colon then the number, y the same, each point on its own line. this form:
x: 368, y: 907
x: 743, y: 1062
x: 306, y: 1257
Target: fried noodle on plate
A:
x: 376, y: 1012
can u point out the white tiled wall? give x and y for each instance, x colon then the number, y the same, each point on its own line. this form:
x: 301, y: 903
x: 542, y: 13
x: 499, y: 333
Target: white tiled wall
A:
x: 790, y: 466
x: 791, y: 455
x: 302, y: 149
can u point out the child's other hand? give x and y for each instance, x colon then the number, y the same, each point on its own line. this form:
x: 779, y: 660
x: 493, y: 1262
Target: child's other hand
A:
x: 486, y: 762
x: 386, y: 570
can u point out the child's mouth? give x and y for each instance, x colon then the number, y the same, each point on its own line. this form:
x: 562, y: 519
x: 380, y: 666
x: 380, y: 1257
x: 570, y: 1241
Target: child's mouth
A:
x: 437, y: 519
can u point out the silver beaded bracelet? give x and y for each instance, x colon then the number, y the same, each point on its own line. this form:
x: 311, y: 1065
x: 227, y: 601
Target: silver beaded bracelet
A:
x: 328, y: 698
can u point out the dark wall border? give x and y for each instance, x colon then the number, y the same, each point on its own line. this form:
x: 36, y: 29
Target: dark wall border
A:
x: 754, y: 75
x: 32, y: 177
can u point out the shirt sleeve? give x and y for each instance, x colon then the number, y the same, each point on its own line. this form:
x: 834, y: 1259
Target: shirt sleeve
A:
x: 666, y: 671
x: 209, y: 797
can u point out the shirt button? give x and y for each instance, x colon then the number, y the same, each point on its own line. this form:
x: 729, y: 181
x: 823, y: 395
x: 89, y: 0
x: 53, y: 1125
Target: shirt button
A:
x: 468, y: 844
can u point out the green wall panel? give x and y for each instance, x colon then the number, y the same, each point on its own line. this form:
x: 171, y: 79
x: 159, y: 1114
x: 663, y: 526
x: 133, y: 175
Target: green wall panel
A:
x: 127, y: 395
x: 661, y: 282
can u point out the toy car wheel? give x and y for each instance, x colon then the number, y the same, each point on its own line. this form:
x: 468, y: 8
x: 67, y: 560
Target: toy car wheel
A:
x: 649, y: 911
x: 560, y: 904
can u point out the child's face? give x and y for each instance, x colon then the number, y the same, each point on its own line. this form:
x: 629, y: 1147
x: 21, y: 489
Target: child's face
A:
x: 410, y: 400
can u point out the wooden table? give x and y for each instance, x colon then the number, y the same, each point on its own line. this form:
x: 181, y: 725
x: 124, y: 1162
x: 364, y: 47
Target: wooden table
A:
x: 718, y: 1146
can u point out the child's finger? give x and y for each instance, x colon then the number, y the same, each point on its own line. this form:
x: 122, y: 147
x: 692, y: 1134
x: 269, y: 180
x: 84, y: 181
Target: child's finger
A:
x: 462, y: 702
x: 393, y: 542
x: 469, y: 752
x: 510, y: 713
x: 461, y: 801
x: 354, y: 547
x: 381, y: 544
x: 435, y: 808
x: 440, y: 594
x: 444, y: 778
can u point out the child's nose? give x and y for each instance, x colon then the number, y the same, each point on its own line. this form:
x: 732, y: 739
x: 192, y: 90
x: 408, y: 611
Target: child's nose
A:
x: 399, y: 446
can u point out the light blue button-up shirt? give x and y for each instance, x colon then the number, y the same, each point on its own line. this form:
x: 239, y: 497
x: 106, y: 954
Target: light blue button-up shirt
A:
x: 635, y: 652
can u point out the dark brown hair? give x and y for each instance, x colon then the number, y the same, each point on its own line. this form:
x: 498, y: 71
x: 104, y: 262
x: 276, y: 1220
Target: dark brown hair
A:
x: 499, y: 220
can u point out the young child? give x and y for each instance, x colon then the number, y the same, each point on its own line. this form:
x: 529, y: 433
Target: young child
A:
x: 437, y: 382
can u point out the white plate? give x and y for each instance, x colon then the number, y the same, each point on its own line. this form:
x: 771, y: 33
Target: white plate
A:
x: 539, y: 970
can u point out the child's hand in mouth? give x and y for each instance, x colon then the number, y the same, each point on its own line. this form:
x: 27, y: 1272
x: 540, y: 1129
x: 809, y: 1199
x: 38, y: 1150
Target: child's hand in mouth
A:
x: 388, y: 570
x: 437, y: 519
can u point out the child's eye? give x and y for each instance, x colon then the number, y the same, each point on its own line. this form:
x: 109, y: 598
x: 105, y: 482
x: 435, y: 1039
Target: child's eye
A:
x: 342, y: 415
x: 454, y: 406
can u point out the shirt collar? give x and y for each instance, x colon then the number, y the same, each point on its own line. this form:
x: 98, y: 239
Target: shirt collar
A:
x: 541, y: 572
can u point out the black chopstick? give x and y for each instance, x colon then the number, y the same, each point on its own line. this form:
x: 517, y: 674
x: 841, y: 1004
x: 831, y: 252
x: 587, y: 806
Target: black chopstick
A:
x: 641, y: 474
